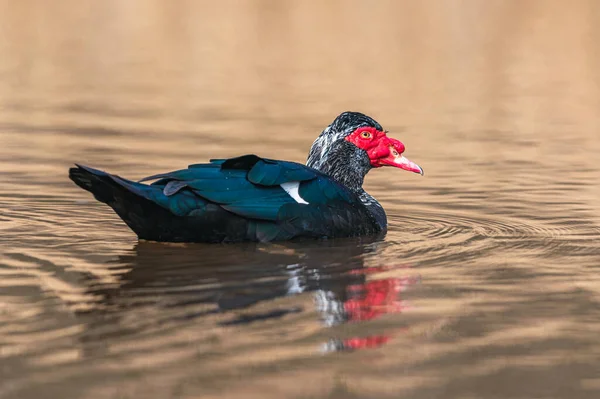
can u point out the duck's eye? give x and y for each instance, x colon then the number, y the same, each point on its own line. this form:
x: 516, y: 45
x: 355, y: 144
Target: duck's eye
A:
x: 395, y: 153
x: 365, y: 135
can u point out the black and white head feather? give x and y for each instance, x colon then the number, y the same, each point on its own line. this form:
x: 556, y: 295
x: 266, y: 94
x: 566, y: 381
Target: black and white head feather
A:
x: 340, y: 128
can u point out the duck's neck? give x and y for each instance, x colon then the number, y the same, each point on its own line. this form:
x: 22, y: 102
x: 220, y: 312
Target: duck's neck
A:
x: 341, y: 173
x: 342, y: 161
x: 375, y: 208
x: 347, y: 165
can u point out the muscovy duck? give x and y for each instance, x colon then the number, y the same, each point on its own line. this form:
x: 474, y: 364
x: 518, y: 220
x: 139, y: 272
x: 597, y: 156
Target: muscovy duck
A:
x: 249, y: 198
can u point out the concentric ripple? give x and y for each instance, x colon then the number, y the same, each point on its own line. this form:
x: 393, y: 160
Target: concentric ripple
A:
x: 427, y: 232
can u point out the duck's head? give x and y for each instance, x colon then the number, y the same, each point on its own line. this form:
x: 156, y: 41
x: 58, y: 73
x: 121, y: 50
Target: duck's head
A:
x: 353, y: 144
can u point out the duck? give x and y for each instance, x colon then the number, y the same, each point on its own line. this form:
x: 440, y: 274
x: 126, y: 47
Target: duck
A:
x: 249, y: 198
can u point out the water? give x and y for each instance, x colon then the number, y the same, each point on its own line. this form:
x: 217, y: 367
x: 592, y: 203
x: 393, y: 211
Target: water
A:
x: 486, y: 285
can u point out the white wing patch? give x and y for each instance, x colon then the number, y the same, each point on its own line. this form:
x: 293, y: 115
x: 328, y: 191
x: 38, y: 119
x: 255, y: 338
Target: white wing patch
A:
x: 292, y: 189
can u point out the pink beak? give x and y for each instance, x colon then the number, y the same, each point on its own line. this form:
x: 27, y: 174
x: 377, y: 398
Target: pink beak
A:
x: 400, y: 161
x: 390, y: 154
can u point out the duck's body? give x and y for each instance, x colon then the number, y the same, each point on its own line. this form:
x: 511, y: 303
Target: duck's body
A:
x: 239, y: 199
x: 254, y: 199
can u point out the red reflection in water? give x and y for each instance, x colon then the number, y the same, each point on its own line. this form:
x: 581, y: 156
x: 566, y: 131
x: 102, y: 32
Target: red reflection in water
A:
x: 368, y: 301
x: 373, y: 341
x: 375, y: 298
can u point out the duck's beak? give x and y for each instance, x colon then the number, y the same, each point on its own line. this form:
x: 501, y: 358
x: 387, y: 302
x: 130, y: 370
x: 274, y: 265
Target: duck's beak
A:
x: 400, y: 161
x: 390, y: 154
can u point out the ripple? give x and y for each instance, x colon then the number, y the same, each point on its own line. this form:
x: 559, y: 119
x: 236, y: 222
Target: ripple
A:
x: 454, y: 236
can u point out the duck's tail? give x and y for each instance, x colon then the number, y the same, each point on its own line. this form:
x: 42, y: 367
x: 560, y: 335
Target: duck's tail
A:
x: 96, y: 182
x: 130, y: 200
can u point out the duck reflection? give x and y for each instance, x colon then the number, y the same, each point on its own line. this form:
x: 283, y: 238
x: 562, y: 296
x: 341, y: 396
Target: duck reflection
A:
x: 222, y: 284
x: 365, y: 301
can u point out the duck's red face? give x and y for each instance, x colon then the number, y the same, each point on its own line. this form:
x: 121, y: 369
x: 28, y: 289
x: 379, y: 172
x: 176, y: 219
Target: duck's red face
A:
x: 382, y: 150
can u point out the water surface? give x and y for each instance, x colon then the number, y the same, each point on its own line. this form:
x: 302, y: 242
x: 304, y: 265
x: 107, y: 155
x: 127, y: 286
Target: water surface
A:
x: 486, y: 285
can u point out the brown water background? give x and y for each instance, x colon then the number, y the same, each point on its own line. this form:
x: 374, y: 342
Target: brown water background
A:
x: 490, y: 270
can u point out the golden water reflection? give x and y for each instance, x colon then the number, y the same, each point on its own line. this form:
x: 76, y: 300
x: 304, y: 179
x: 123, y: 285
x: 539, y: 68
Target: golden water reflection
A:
x: 497, y: 100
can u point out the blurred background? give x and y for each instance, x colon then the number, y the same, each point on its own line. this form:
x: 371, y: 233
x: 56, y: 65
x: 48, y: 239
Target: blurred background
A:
x: 499, y: 102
